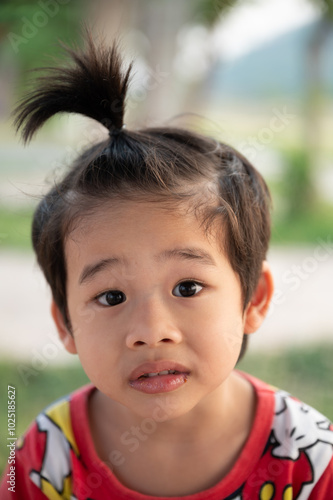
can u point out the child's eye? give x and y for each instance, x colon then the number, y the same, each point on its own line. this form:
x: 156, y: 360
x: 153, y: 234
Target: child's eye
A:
x: 111, y: 298
x: 187, y: 289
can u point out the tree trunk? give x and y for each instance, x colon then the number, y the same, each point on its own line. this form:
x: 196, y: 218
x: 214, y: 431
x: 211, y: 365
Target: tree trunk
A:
x: 313, y: 108
x: 314, y: 91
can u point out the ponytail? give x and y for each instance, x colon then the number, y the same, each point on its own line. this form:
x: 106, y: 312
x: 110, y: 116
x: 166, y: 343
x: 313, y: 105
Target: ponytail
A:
x: 95, y: 86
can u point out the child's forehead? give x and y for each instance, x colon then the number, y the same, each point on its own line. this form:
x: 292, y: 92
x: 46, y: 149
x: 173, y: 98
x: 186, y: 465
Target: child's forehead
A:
x: 141, y: 236
x: 124, y: 213
x: 133, y: 221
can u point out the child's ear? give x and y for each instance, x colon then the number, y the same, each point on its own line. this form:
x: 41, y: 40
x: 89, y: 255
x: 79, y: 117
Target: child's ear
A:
x: 65, y: 336
x: 257, y: 308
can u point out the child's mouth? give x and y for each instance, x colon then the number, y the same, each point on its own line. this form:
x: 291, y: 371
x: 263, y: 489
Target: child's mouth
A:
x: 152, y: 380
x: 164, y: 372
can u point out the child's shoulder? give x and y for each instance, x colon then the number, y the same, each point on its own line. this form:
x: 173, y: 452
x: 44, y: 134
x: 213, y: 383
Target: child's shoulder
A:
x: 295, y: 425
x: 300, y: 440
x: 47, y: 453
x: 58, y: 421
x: 298, y: 427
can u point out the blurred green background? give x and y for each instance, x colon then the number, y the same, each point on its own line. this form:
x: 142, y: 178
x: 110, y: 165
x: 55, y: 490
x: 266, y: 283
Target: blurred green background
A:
x: 272, y: 101
x: 259, y: 79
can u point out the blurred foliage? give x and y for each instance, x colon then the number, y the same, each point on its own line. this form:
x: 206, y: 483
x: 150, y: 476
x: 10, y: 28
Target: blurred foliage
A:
x: 30, y: 30
x: 303, y: 217
x: 15, y: 228
x: 297, y: 184
x: 304, y: 229
x: 306, y: 373
x: 211, y: 10
x: 313, y: 102
x: 326, y: 7
x: 302, y: 164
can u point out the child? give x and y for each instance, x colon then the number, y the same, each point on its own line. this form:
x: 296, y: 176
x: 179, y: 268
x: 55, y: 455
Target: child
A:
x: 154, y: 247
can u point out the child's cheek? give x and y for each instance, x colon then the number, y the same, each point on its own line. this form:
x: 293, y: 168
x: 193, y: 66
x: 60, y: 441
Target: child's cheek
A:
x: 220, y: 335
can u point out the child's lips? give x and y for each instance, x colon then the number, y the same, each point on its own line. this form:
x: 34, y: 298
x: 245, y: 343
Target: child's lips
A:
x: 158, y: 377
x: 158, y: 369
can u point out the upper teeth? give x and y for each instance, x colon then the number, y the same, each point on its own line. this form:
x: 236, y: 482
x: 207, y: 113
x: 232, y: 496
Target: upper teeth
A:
x: 164, y: 372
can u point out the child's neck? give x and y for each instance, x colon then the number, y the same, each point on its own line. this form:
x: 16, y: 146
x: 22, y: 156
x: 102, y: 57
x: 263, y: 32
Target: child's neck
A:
x: 167, y: 462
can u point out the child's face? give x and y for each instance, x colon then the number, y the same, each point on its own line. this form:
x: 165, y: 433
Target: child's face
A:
x: 175, y: 303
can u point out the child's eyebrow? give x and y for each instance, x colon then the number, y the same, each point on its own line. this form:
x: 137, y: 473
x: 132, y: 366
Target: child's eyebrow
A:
x: 91, y: 270
x: 189, y: 253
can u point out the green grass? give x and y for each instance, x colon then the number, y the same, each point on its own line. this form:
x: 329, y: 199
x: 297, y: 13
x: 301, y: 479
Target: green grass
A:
x: 306, y: 373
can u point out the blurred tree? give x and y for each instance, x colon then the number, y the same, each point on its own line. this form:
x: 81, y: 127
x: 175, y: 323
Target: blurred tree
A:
x: 301, y: 169
x: 28, y: 28
x: 211, y: 10
x: 315, y: 87
x: 160, y: 94
x: 208, y: 13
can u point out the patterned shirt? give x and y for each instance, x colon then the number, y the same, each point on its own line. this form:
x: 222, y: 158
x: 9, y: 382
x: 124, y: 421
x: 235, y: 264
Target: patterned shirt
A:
x: 288, y: 455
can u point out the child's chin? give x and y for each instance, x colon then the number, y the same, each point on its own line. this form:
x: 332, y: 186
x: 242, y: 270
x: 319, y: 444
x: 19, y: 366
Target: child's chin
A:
x: 161, y: 408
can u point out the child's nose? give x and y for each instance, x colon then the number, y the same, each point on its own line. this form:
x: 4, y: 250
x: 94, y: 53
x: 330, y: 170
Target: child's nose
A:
x: 152, y: 324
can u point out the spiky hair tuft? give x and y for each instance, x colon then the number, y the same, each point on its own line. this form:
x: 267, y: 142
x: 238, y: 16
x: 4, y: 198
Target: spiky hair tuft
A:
x: 94, y: 86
